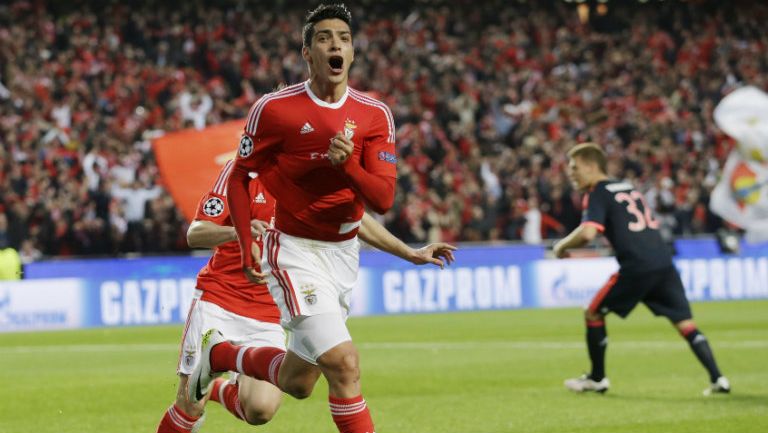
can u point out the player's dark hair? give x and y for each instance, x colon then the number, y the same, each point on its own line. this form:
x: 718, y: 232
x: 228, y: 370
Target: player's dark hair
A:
x: 324, y: 12
x: 590, y: 152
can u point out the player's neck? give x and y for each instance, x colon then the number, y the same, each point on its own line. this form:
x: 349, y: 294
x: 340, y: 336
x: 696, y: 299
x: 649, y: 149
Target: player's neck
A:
x: 327, y: 91
x: 597, y: 179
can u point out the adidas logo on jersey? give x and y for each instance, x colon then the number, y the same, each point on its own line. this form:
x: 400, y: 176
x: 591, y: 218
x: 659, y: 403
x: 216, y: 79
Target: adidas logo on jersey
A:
x: 306, y: 129
x: 260, y: 198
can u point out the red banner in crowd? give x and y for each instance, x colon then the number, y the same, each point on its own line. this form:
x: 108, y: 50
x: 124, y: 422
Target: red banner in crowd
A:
x: 190, y: 160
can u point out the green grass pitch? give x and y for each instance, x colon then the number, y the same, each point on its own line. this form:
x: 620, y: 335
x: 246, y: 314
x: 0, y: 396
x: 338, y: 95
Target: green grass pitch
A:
x: 487, y: 372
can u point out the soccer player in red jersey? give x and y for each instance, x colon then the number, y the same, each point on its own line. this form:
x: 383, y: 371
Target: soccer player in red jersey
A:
x: 245, y: 312
x: 298, y: 140
x: 646, y: 271
x: 226, y: 299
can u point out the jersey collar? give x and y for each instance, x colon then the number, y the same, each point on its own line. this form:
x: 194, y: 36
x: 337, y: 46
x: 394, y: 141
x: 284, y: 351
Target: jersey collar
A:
x: 334, y: 105
x: 595, y: 185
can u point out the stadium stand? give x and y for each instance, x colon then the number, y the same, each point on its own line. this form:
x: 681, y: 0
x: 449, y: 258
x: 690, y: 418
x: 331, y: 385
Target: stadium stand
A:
x: 486, y: 95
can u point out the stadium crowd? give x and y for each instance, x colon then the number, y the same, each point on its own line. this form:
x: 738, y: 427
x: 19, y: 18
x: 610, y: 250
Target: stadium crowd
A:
x: 487, y: 97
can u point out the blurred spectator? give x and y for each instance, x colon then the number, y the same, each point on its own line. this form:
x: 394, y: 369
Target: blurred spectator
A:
x: 95, y: 167
x: 4, y: 241
x: 29, y: 253
x: 532, y: 226
x: 135, y: 197
x: 195, y: 106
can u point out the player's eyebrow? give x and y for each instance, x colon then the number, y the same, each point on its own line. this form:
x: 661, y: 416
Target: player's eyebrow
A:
x: 330, y: 32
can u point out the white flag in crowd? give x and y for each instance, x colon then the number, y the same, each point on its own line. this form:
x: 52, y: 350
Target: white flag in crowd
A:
x: 741, y: 196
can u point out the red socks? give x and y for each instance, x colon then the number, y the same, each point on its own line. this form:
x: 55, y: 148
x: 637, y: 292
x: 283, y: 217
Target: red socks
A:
x: 227, y: 394
x: 176, y: 421
x: 351, y: 415
x: 261, y: 363
x: 224, y: 357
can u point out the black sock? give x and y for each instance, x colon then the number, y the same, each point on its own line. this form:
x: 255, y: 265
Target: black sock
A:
x: 700, y: 347
x: 597, y: 342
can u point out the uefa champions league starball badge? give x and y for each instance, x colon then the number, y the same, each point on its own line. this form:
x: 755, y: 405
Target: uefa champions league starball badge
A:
x: 246, y: 147
x: 214, y: 206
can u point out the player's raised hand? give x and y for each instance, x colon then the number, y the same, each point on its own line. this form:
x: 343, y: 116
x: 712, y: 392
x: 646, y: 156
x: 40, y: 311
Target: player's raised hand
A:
x: 438, y: 254
x: 340, y: 150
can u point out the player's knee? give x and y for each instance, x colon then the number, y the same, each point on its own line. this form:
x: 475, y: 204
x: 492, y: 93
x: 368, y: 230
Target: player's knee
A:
x: 299, y: 387
x: 260, y: 415
x: 346, y: 368
x: 591, y: 316
x: 299, y: 390
x: 685, y: 326
x: 258, y: 418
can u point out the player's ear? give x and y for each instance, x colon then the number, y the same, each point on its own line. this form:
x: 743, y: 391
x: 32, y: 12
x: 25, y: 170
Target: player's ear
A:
x: 305, y: 54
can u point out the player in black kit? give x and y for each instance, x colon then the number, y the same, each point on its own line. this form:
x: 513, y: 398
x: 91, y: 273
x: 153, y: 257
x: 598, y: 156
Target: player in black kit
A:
x: 646, y: 272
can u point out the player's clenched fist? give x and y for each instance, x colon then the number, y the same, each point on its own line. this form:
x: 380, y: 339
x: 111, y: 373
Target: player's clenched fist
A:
x: 340, y: 150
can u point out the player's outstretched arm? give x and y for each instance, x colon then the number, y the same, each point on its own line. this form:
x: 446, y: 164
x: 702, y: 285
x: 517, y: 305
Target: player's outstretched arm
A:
x: 438, y: 254
x: 207, y: 234
x: 579, y: 237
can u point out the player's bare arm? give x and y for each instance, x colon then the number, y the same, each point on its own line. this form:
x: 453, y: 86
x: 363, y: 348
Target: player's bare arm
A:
x: 438, y: 254
x: 207, y: 234
x: 579, y: 237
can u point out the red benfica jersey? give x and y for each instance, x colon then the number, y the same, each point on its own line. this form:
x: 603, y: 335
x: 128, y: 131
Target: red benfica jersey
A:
x: 286, y: 140
x: 222, y: 280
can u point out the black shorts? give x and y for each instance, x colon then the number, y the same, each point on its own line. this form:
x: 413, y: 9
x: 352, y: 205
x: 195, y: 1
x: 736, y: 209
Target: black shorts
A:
x: 661, y: 290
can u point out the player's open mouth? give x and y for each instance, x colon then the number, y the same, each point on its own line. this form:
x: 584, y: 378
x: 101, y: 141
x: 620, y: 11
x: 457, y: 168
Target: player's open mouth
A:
x: 337, y: 64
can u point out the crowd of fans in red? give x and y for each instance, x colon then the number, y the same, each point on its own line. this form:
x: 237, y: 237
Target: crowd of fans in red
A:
x: 487, y: 97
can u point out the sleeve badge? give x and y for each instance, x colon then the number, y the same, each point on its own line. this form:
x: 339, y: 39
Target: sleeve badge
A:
x: 213, y: 207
